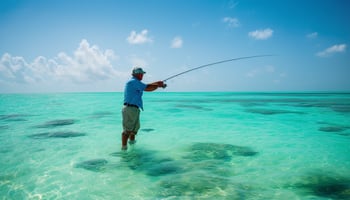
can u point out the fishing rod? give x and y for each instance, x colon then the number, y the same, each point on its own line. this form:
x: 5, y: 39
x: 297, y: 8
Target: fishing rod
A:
x: 214, y: 63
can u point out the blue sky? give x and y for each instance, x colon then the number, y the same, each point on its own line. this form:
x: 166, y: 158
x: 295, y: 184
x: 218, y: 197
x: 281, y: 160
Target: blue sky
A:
x: 92, y: 45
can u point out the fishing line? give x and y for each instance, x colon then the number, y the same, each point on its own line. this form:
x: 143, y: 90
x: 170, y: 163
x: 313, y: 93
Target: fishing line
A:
x: 214, y: 63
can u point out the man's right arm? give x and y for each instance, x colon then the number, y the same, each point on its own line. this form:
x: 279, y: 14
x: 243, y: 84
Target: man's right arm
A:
x: 153, y: 86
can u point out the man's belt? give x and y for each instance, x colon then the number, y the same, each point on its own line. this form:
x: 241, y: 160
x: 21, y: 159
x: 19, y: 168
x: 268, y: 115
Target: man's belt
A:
x: 130, y: 105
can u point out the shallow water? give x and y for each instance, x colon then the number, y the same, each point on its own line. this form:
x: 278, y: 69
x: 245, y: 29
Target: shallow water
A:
x: 190, y: 146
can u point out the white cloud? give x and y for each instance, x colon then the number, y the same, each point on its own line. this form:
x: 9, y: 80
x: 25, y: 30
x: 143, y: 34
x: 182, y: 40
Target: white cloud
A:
x: 14, y: 68
x: 177, y: 42
x: 338, y: 48
x: 88, y: 63
x: 261, y: 34
x: 312, y: 35
x: 231, y: 22
x: 139, y: 38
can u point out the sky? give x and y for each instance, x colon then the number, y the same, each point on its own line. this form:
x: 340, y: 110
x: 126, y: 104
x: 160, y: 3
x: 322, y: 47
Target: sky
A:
x: 49, y: 46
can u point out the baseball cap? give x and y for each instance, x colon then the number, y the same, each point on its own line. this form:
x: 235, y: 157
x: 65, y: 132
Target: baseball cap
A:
x: 138, y: 70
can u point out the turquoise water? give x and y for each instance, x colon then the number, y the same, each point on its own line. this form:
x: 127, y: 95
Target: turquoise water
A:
x: 190, y: 146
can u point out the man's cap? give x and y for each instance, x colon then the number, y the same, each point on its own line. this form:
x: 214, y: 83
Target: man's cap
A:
x: 138, y: 70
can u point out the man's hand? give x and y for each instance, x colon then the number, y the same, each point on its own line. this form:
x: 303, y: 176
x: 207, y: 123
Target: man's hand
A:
x: 153, y: 86
x: 161, y: 84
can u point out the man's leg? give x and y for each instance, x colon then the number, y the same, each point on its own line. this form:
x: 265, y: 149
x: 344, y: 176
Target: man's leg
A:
x: 132, y: 138
x: 124, y: 141
x: 125, y: 136
x: 136, y: 128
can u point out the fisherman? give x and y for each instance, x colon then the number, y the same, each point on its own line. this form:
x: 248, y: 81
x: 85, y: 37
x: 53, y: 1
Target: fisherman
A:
x: 133, y: 103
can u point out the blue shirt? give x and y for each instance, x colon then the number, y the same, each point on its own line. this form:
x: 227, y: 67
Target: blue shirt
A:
x: 133, y: 92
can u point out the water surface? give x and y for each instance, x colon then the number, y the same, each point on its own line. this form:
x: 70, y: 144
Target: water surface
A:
x: 191, y: 146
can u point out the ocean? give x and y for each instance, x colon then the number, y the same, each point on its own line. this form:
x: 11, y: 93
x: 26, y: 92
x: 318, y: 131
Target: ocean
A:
x: 200, y: 145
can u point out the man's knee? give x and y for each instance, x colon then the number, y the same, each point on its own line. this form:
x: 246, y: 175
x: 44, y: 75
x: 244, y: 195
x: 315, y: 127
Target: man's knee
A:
x: 128, y: 133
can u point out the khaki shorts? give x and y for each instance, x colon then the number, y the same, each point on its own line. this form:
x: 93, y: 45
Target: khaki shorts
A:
x: 131, y: 119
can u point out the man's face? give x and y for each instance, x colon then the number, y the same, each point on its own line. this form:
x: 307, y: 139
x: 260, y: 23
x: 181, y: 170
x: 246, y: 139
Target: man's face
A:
x: 139, y: 76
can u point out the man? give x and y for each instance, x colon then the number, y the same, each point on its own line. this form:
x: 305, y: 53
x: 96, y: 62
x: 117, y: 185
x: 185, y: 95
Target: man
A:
x: 133, y: 103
